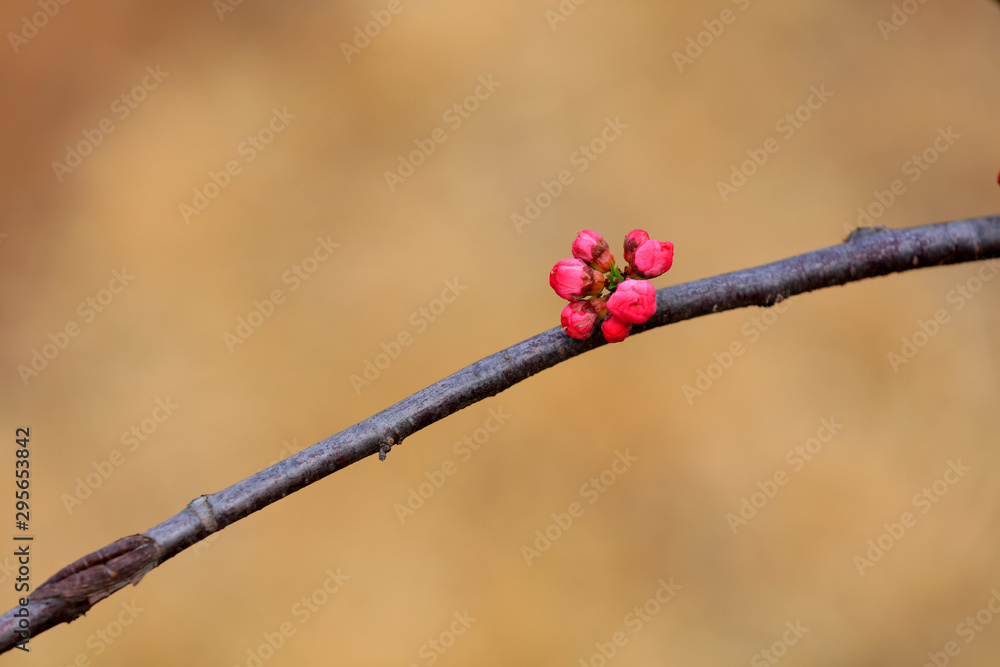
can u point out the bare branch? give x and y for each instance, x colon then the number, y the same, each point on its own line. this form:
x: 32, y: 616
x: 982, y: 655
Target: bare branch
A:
x: 866, y: 253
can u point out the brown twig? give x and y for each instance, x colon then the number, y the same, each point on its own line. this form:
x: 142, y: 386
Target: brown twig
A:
x: 866, y: 253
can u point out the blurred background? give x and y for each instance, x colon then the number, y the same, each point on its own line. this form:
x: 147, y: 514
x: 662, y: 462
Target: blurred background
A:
x: 221, y: 218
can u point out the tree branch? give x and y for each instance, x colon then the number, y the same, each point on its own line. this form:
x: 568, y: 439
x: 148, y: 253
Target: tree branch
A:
x: 866, y: 253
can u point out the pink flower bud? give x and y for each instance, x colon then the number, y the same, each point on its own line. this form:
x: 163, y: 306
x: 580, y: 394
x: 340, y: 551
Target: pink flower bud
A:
x: 653, y: 258
x: 591, y: 247
x: 573, y: 280
x: 634, y: 301
x: 579, y: 317
x: 635, y: 238
x: 614, y: 330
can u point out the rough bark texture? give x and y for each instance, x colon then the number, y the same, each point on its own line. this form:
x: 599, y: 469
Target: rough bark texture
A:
x: 866, y: 253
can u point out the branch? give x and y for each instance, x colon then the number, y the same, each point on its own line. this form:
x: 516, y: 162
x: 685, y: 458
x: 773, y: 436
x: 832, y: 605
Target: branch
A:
x: 866, y: 253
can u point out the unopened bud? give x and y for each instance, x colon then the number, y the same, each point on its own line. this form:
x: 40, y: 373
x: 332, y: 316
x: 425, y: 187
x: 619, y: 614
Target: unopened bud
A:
x: 634, y: 301
x: 614, y: 330
x: 579, y: 318
x: 573, y: 280
x: 653, y: 258
x: 591, y: 247
x: 633, y: 240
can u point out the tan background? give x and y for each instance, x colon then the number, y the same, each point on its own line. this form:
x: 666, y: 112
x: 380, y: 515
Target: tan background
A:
x: 323, y: 175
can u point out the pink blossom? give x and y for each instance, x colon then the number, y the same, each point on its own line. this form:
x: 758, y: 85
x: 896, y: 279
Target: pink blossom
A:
x: 573, y: 280
x: 634, y: 301
x: 579, y: 318
x: 653, y: 258
x: 591, y: 247
x: 633, y: 240
x: 614, y: 330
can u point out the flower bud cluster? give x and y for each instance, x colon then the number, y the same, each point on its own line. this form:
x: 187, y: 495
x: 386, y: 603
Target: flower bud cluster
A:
x: 631, y: 298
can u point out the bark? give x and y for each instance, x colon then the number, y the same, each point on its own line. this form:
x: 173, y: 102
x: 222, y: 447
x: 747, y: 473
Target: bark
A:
x: 866, y: 253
